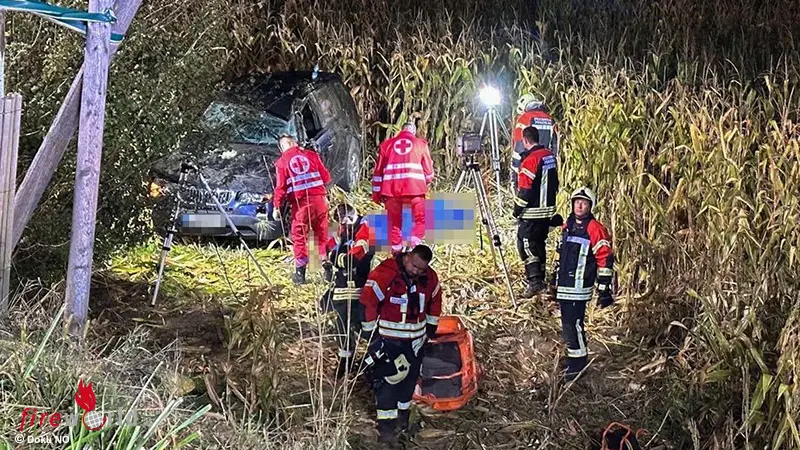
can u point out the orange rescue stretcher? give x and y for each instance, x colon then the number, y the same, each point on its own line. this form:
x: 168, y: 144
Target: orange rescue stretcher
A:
x: 449, y: 373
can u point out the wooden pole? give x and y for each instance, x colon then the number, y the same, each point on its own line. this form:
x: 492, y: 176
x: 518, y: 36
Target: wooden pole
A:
x: 9, y: 141
x: 55, y: 143
x: 87, y: 173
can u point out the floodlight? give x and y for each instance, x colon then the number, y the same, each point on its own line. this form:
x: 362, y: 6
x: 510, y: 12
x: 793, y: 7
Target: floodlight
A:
x: 490, y: 96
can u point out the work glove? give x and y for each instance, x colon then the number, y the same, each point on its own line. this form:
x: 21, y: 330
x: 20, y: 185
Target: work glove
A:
x: 276, y: 213
x: 556, y: 221
x: 517, y: 212
x: 430, y: 330
x: 604, y: 296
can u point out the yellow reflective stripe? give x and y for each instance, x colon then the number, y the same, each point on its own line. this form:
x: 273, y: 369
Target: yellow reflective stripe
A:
x: 432, y: 320
x: 527, y: 172
x: 573, y: 297
x: 401, y: 326
x: 574, y: 290
x: 579, y: 353
x: 602, y: 243
x: 402, y: 334
x: 363, y: 244
x: 375, y: 288
x: 605, y: 272
x: 544, y: 212
x: 368, y: 326
x: 387, y: 414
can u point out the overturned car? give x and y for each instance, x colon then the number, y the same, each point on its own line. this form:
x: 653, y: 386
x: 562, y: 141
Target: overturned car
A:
x: 235, y: 147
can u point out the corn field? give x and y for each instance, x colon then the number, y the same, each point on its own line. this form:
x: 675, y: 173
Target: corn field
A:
x: 684, y: 117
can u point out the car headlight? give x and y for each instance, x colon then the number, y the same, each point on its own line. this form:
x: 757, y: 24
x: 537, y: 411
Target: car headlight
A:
x: 253, y: 197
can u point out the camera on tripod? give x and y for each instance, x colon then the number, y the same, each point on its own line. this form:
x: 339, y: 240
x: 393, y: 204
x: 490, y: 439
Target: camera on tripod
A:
x: 468, y: 144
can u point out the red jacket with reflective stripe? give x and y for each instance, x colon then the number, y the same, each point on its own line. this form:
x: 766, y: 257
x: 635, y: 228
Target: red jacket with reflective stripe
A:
x: 398, y: 310
x: 404, y: 167
x: 300, y: 174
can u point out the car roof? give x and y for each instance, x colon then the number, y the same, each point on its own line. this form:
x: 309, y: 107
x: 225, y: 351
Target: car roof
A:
x: 275, y: 92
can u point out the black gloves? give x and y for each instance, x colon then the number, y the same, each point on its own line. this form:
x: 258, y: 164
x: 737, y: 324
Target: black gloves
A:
x: 430, y: 330
x: 517, y: 212
x: 604, y: 296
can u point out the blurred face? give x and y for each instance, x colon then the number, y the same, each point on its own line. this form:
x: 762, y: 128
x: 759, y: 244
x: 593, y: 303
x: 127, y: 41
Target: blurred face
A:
x: 414, y: 265
x: 286, y: 143
x: 581, y: 207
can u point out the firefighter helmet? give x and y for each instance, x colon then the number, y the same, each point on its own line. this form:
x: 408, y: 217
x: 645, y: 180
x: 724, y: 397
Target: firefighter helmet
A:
x: 528, y: 102
x: 584, y: 193
x: 402, y: 365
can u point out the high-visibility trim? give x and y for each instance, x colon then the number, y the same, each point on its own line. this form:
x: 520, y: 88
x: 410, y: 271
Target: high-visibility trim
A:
x: 345, y: 353
x: 544, y: 212
x: 403, y: 405
x: 368, y: 326
x: 582, y: 347
x: 573, y: 297
x: 402, y: 334
x: 305, y: 186
x: 341, y: 296
x: 399, y: 166
x: 376, y: 188
x: 375, y: 288
x: 521, y: 202
x: 363, y: 244
x: 601, y: 243
x: 436, y: 289
x: 527, y: 173
x: 377, y: 179
x: 387, y: 414
x: 432, y: 320
x: 401, y: 326
x: 576, y: 353
x: 403, y: 176
x: 574, y: 290
x: 303, y: 177
x: 428, y: 177
x: 605, y: 272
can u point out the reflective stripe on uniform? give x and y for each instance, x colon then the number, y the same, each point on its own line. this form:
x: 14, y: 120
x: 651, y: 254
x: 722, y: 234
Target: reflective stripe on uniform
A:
x: 387, y: 414
x: 401, y: 334
x: 401, y: 326
x: 403, y: 176
x: 377, y: 179
x: 416, y: 166
x: 368, y: 326
x: 582, y: 347
x: 375, y: 288
x: 544, y: 212
x: 573, y: 297
x: 431, y: 320
x: 303, y: 177
x: 601, y: 243
x: 582, y: 255
x: 528, y: 173
x: 345, y: 353
x: 305, y: 186
x: 605, y: 272
x: 376, y: 188
x: 521, y: 202
x: 435, y: 290
x: 403, y: 405
x: 363, y: 244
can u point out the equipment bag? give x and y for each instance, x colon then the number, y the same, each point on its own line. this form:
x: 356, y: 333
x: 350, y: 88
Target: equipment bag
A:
x: 449, y: 372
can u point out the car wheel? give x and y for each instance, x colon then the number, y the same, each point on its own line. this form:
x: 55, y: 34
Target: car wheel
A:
x: 353, y: 168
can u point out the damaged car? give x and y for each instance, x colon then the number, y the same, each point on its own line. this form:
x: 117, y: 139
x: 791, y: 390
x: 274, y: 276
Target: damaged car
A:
x: 235, y: 146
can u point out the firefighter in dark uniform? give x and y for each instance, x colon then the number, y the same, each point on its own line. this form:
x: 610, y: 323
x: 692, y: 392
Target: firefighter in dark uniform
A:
x: 402, y: 302
x: 350, y: 253
x: 585, y: 257
x: 535, y: 208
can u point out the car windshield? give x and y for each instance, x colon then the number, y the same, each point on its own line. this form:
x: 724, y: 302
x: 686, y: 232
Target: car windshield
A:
x: 241, y: 124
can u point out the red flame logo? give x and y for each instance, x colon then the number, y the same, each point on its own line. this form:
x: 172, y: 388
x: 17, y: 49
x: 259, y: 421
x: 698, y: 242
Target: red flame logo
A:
x: 85, y: 399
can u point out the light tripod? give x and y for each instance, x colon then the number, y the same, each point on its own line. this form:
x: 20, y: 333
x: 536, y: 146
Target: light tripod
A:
x: 472, y: 172
x: 491, y: 117
x: 173, y: 227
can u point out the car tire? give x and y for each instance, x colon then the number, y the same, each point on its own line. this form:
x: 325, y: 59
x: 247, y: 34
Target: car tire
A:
x: 352, y: 169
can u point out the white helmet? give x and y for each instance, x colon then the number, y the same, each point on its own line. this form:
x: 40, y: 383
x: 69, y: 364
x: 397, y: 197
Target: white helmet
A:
x: 584, y: 193
x: 523, y: 102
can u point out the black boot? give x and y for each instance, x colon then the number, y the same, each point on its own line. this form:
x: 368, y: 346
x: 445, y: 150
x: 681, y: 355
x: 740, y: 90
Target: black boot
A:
x: 574, y: 368
x: 299, y: 276
x: 386, y: 433
x: 535, y: 277
x: 343, y: 368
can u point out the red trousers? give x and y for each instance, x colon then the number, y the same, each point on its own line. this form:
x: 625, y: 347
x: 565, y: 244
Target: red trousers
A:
x: 394, y: 213
x: 309, y: 213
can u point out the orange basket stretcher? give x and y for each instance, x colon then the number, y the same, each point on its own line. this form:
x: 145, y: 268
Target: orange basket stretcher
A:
x: 449, y: 373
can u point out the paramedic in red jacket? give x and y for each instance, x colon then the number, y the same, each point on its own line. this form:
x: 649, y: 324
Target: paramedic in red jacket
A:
x: 585, y: 258
x: 402, y: 175
x: 402, y: 301
x: 301, y: 180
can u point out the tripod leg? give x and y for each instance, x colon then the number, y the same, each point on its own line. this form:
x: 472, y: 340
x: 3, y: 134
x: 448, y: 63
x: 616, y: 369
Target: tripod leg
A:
x: 460, y: 180
x: 483, y: 204
x: 164, y: 250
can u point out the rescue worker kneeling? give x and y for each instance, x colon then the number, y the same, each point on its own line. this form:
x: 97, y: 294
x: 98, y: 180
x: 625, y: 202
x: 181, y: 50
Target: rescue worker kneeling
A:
x: 585, y: 256
x: 351, y: 255
x: 402, y: 302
